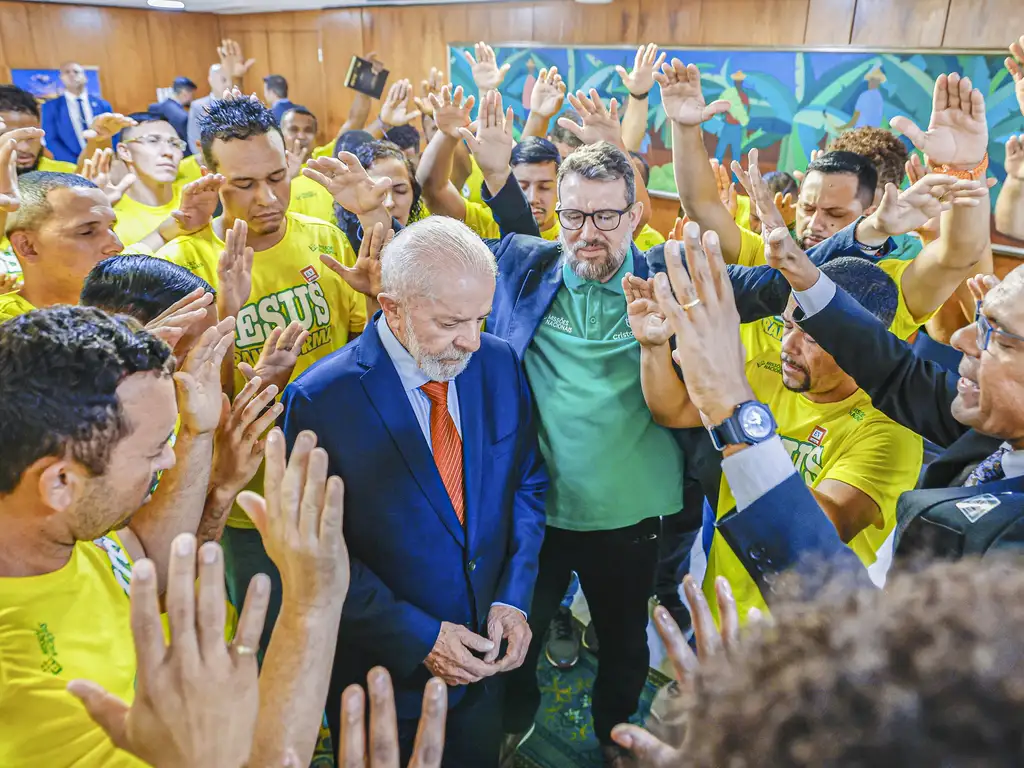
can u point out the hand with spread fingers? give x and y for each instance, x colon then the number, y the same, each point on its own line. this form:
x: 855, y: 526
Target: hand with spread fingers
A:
x: 198, y: 380
x: 364, y: 277
x: 395, y: 109
x: 598, y: 123
x: 726, y: 189
x: 10, y: 194
x: 199, y: 201
x: 493, y: 142
x: 957, y: 135
x: 640, y: 80
x: 701, y: 311
x: 429, y: 87
x: 901, y: 212
x: 646, y: 320
x: 761, y: 200
x: 347, y: 181
x: 296, y: 156
x: 507, y: 623
x: 9, y: 283
x: 1014, y: 162
x: 104, y: 127
x: 232, y: 63
x: 234, y: 271
x: 452, y: 110
x: 1015, y: 64
x: 279, y: 356
x: 380, y: 747
x: 97, y: 170
x: 682, y: 96
x: 486, y: 73
x: 663, y: 743
x: 548, y: 93
x: 196, y: 698
x: 299, y: 518
x: 177, y: 324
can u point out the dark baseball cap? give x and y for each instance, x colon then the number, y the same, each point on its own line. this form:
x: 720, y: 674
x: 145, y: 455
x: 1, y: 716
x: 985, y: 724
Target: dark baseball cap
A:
x: 181, y: 83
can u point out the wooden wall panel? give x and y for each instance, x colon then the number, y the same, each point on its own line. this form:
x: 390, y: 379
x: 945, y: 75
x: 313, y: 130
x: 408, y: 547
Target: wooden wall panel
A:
x: 888, y: 24
x: 829, y: 22
x: 341, y: 34
x: 612, y: 24
x: 983, y: 23
x: 751, y: 22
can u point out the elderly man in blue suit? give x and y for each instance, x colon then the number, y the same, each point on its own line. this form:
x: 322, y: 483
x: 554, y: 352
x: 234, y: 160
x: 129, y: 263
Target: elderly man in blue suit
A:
x: 429, y: 422
x: 67, y: 117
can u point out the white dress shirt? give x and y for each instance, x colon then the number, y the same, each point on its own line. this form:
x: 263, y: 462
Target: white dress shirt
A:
x: 76, y: 118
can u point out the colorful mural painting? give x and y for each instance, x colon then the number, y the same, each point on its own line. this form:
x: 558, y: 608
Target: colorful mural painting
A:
x: 785, y: 103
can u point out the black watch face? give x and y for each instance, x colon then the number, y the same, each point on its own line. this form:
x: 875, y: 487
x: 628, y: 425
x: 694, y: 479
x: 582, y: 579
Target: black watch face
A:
x: 755, y: 421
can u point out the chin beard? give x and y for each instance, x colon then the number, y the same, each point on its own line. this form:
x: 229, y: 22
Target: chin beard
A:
x: 594, y: 269
x: 432, y: 365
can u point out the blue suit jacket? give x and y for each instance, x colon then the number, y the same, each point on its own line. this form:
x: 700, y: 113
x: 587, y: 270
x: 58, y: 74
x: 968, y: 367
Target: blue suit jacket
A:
x: 413, y: 563
x: 60, y: 130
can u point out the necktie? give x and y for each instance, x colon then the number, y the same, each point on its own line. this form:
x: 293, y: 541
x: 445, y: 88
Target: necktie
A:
x: 446, y: 444
x: 990, y: 470
x: 81, y: 114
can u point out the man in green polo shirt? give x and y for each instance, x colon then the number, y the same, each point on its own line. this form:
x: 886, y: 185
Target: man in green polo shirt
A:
x: 613, y: 471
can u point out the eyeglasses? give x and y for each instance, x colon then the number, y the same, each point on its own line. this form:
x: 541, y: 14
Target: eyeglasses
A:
x: 151, y: 141
x: 605, y: 220
x: 985, y: 330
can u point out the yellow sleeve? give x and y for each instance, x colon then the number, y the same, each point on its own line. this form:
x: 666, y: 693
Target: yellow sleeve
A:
x: 471, y: 189
x: 648, y: 238
x: 188, y: 252
x: 188, y: 170
x: 311, y: 199
x: 356, y: 312
x: 756, y: 340
x: 903, y: 324
x: 480, y: 219
x: 348, y: 253
x: 742, y: 216
x: 751, y: 249
x: 327, y: 150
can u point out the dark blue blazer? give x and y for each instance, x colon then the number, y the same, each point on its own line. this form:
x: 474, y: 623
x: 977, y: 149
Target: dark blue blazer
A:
x: 60, y: 130
x: 281, y: 107
x: 413, y: 563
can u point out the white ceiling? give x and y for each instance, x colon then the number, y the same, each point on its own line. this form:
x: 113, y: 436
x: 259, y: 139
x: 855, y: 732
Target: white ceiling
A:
x: 262, y: 6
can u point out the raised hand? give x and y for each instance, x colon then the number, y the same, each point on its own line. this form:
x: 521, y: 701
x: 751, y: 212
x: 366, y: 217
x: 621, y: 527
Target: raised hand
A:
x: 196, y: 698
x: 706, y: 324
x: 505, y: 622
x: 104, y: 127
x: 916, y: 170
x: 726, y: 189
x: 348, y: 182
x: 548, y: 93
x: 640, y: 81
x: 646, y: 320
x: 682, y: 97
x: 395, y: 109
x: 199, y: 200
x: 1015, y: 63
x: 174, y: 323
x: 787, y: 207
x: 783, y: 254
x: 232, y: 63
x: 234, y: 271
x: 452, y: 658
x: 598, y: 123
x: 429, y: 87
x: 198, y: 379
x: 296, y: 156
x: 10, y: 194
x: 493, y: 142
x: 238, y: 445
x: 278, y: 357
x: 97, y: 170
x: 1014, y: 163
x: 364, y: 277
x: 957, y: 134
x: 451, y: 111
x: 9, y: 283
x: 379, y: 748
x: 902, y: 212
x: 486, y: 73
x: 300, y: 520
x: 760, y: 195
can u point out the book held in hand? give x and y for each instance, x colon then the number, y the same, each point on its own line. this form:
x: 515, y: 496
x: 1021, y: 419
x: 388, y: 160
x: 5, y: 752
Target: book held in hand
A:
x: 366, y: 77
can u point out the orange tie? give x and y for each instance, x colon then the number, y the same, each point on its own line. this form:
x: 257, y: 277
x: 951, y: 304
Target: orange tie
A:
x: 447, y: 445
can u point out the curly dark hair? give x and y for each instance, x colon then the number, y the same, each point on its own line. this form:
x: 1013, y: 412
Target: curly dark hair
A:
x: 927, y: 673
x: 883, y: 148
x: 369, y: 153
x: 59, y: 372
x: 231, y: 119
x: 15, y: 99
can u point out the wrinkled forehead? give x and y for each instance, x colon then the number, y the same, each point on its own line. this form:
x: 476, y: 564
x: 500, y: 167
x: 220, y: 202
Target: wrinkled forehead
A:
x: 1004, y: 304
x: 583, y: 194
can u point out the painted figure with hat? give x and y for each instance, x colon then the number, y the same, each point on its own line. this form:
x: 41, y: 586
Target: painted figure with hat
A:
x: 871, y: 104
x: 734, y: 128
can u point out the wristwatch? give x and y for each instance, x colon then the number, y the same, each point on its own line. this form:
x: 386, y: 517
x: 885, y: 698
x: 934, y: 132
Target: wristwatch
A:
x: 751, y: 423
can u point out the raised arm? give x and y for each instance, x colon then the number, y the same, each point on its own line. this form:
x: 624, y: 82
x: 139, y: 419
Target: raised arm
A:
x: 1010, y: 203
x: 451, y: 113
x: 395, y: 109
x: 351, y: 188
x: 546, y: 101
x: 639, y: 83
x: 682, y: 98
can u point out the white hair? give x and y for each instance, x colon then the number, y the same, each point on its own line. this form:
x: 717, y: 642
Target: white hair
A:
x: 429, y: 251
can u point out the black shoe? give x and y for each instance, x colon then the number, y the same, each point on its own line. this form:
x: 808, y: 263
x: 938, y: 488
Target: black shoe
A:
x: 563, y: 646
x: 590, y: 641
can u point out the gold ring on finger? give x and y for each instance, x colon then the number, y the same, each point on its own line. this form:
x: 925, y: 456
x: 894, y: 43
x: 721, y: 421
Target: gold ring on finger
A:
x: 691, y: 304
x: 244, y: 650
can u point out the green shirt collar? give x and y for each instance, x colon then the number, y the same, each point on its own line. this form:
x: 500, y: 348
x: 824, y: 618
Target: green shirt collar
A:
x: 575, y: 283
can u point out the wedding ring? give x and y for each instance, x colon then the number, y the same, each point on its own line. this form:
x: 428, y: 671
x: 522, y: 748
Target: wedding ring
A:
x: 691, y: 304
x: 244, y: 650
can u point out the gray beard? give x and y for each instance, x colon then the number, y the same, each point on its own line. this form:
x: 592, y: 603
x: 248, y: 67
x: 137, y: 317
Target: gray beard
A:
x: 594, y: 270
x: 432, y: 365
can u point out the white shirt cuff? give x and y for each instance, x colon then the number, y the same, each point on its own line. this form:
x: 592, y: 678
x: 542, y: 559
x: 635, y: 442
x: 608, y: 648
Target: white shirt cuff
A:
x: 511, y: 606
x: 754, y: 471
x: 815, y: 298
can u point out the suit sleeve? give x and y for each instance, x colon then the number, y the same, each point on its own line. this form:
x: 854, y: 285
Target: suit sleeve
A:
x: 516, y: 585
x: 511, y: 210
x: 53, y: 140
x: 911, y: 391
x: 400, y: 634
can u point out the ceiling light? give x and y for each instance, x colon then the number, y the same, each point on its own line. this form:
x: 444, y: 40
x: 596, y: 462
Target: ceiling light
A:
x: 170, y: 5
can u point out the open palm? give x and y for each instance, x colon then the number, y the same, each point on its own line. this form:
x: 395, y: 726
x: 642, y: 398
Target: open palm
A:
x: 548, y: 93
x: 682, y: 96
x: 348, y: 183
x: 646, y: 320
x: 957, y: 133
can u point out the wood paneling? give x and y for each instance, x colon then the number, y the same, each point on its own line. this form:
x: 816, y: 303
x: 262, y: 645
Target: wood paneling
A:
x: 888, y: 24
x: 983, y: 23
x: 829, y: 22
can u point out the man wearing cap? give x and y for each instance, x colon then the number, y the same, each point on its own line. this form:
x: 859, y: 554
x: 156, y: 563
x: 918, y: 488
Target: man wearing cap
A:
x: 175, y: 109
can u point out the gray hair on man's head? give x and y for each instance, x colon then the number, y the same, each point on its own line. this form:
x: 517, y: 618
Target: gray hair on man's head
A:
x: 35, y: 208
x: 429, y: 251
x: 601, y: 162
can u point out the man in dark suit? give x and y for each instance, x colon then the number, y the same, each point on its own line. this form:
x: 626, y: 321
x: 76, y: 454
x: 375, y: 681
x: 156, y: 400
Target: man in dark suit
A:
x: 430, y: 424
x: 67, y: 117
x: 275, y: 93
x: 175, y: 109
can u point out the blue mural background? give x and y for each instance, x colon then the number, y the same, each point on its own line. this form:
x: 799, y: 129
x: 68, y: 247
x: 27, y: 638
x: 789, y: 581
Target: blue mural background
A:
x: 796, y: 101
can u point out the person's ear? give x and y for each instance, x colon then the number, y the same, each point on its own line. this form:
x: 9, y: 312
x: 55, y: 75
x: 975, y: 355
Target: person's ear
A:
x: 635, y: 214
x: 60, y: 482
x: 23, y: 244
x: 123, y: 154
x: 389, y: 306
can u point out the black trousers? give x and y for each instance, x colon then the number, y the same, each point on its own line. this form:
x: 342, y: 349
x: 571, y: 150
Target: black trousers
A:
x: 616, y: 571
x: 472, y: 729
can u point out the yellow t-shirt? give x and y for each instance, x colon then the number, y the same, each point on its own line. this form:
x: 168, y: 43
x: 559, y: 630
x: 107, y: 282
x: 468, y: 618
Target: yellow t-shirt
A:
x: 480, y: 219
x: 849, y: 441
x: 136, y: 220
x: 475, y: 180
x: 288, y: 283
x: 742, y: 217
x: 648, y: 238
x: 73, y: 623
x: 903, y: 325
x: 9, y: 263
x: 188, y: 170
x: 12, y: 305
x: 311, y: 199
x: 56, y: 166
x: 327, y: 150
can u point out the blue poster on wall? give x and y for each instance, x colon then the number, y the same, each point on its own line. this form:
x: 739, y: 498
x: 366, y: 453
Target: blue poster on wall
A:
x: 45, y: 84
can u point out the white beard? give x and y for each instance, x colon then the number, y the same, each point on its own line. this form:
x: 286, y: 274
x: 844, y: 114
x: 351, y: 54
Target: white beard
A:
x: 432, y: 365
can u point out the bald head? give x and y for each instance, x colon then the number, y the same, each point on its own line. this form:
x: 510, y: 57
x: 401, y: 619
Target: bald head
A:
x: 218, y: 81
